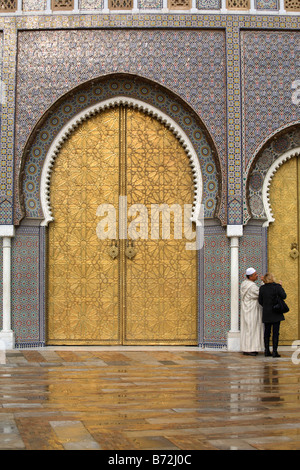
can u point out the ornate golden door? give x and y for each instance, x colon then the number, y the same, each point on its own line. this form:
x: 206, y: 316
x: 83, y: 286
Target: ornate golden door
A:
x: 283, y: 242
x: 98, y: 293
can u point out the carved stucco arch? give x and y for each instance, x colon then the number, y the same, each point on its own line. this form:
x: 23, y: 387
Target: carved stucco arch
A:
x: 295, y: 152
x: 97, y: 108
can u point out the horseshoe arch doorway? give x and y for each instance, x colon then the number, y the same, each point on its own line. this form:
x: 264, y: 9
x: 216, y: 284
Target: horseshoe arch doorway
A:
x: 97, y: 292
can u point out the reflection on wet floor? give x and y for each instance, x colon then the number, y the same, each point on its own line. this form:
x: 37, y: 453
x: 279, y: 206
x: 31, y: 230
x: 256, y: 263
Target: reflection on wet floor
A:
x: 184, y: 399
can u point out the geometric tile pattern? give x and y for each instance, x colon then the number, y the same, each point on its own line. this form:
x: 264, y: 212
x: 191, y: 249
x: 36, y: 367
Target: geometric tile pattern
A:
x: 267, y: 4
x: 99, y: 91
x: 27, y: 286
x: 270, y: 152
x: 8, y: 49
x: 252, y: 251
x: 208, y: 4
x: 192, y: 67
x: 216, y: 317
x: 234, y: 138
x: 34, y: 5
x: 150, y: 4
x: 205, y: 23
x: 91, y: 4
x: 270, y: 66
x: 258, y: 83
x: 40, y: 5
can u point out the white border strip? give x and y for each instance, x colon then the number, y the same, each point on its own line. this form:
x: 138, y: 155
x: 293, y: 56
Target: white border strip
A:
x: 110, y: 103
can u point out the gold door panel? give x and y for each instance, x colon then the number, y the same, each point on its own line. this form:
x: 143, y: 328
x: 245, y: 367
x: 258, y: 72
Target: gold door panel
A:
x: 141, y: 291
x: 284, y: 199
x: 82, y: 279
x: 157, y: 173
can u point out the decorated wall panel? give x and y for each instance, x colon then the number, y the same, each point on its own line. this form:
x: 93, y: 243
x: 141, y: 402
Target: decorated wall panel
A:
x: 189, y: 63
x: 91, y: 4
x: 249, y: 113
x: 99, y: 91
x: 28, y: 275
x: 28, y: 280
x: 98, y: 5
x: 150, y: 4
x: 208, y: 4
x: 270, y: 67
x: 34, y: 5
x: 267, y: 5
x: 215, y: 321
x: 285, y: 141
x: 5, y: 189
x: 253, y: 251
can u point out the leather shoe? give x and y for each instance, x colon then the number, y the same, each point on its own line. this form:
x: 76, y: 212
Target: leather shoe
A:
x: 275, y: 354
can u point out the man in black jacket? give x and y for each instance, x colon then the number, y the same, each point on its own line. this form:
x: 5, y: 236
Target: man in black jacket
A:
x: 268, y: 296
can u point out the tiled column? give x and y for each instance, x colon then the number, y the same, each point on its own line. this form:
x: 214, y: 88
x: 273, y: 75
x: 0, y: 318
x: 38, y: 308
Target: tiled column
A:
x: 235, y: 173
x: 6, y: 334
x: 8, y: 122
x: 6, y: 177
x: 234, y: 122
x: 234, y: 232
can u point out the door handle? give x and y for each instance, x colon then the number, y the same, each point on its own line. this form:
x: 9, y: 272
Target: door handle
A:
x: 130, y: 250
x: 294, y: 253
x: 113, y: 250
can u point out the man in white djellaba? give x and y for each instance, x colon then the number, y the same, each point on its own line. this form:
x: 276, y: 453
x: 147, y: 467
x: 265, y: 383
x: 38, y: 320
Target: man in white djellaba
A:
x: 252, y: 330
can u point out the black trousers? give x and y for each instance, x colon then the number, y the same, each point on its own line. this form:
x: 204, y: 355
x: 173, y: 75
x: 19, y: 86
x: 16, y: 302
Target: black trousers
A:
x: 275, y: 336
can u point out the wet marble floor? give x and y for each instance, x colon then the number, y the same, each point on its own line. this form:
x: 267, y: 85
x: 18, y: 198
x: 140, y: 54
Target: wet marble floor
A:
x: 147, y: 399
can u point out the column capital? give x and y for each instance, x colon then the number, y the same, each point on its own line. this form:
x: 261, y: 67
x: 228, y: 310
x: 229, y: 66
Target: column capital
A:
x: 7, y: 230
x: 234, y: 230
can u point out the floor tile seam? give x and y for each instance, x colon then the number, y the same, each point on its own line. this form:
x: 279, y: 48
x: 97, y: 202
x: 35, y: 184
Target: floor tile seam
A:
x: 227, y: 430
x: 206, y: 430
x: 139, y: 367
x: 82, y: 438
x: 166, y: 432
x: 234, y: 444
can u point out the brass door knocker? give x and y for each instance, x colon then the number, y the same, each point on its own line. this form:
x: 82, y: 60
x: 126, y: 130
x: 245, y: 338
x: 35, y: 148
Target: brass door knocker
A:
x: 294, y: 253
x: 130, y: 250
x: 113, y: 249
